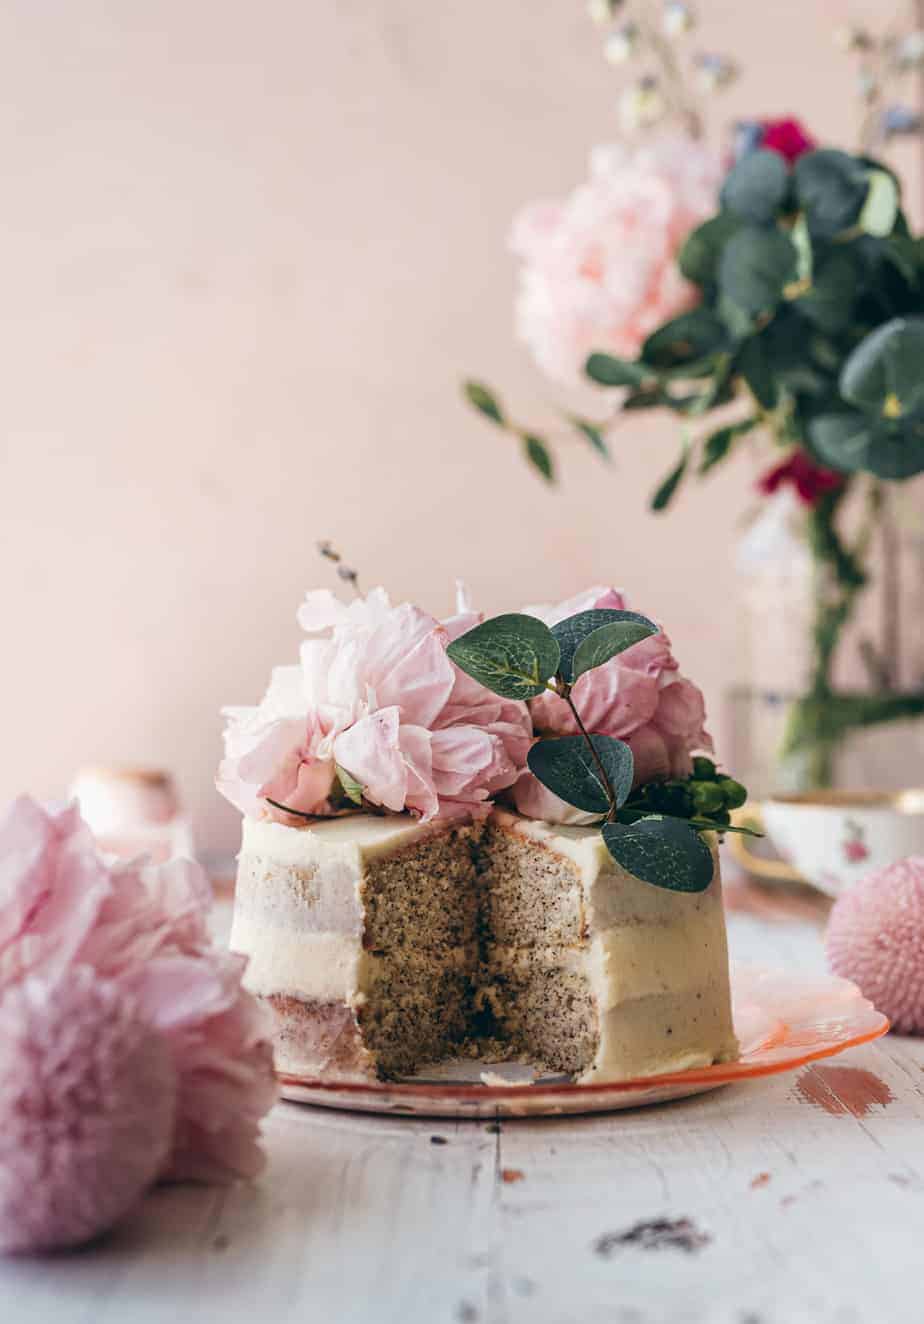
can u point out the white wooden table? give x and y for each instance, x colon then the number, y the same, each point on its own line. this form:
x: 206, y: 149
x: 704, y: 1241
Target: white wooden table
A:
x: 797, y: 1198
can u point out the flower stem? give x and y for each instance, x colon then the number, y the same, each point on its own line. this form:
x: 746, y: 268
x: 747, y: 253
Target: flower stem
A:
x: 565, y: 693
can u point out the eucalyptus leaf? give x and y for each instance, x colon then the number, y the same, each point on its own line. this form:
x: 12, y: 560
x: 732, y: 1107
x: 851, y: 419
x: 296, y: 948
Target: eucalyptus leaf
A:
x: 717, y: 446
x: 880, y: 209
x: 756, y: 187
x: 566, y: 766
x: 570, y: 633
x: 831, y: 188
x: 538, y: 455
x: 829, y: 301
x: 664, y: 494
x: 608, y: 641
x: 513, y: 655
x: 885, y: 373
x: 841, y: 440
x: 685, y: 341
x: 606, y: 370
x: 853, y: 441
x: 755, y: 268
x: 755, y: 366
x: 593, y: 432
x: 699, y: 256
x: 666, y: 852
x: 485, y: 400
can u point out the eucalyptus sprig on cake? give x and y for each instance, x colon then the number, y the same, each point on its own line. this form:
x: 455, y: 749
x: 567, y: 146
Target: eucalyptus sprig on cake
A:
x: 653, y: 833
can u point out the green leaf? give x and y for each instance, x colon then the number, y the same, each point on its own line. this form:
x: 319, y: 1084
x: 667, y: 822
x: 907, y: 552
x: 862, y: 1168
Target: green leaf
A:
x: 608, y: 641
x: 754, y: 365
x: 665, y: 852
x: 885, y: 373
x: 699, y: 257
x: 484, y: 399
x: 881, y: 206
x: 717, y: 446
x: 352, y: 789
x: 755, y: 268
x: 852, y: 442
x: 685, y: 341
x: 570, y: 633
x: 665, y: 493
x: 829, y: 301
x: 755, y: 189
x: 609, y: 371
x: 841, y: 440
x: 538, y: 455
x: 831, y: 188
x: 513, y: 655
x: 592, y: 432
x: 566, y: 766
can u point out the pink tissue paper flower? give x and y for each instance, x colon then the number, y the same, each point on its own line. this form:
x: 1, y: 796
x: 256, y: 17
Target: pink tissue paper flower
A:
x: 376, y: 695
x: 598, y: 270
x: 638, y: 696
x: 117, y: 953
x: 874, y: 939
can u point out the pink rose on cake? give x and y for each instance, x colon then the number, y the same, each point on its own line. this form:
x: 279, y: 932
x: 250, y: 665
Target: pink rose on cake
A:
x: 374, y: 707
x: 638, y: 697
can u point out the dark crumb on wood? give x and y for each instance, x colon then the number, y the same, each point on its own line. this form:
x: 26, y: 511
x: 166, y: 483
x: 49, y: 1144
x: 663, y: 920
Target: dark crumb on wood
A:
x: 654, y: 1234
x: 761, y: 1179
x: 493, y: 1128
x: 221, y: 1242
x: 438, y: 1140
x: 466, y: 1313
x: 512, y: 1174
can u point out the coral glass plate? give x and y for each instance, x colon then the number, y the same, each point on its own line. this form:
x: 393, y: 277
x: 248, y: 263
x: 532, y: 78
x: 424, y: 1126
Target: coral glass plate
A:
x: 783, y: 1020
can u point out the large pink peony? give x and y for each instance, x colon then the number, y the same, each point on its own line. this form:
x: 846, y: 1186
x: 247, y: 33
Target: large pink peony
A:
x: 376, y: 695
x: 598, y: 270
x: 104, y: 964
x: 638, y: 696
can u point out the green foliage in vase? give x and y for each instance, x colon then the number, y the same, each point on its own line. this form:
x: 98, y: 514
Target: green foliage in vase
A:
x: 812, y: 306
x: 653, y: 831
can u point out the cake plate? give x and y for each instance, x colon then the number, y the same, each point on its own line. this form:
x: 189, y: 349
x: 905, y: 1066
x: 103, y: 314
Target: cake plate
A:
x: 783, y: 1019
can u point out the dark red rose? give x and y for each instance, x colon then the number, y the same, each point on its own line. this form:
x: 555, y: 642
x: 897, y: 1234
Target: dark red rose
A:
x: 809, y: 479
x: 787, y: 137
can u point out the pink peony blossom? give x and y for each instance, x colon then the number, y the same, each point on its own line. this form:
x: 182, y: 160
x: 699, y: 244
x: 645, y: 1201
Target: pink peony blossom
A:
x: 376, y: 695
x: 87, y: 1108
x: 638, y: 696
x: 874, y: 938
x: 141, y: 931
x: 598, y: 270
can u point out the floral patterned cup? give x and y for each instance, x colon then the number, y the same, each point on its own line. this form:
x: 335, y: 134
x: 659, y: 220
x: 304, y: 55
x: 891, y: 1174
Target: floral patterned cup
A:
x: 833, y: 838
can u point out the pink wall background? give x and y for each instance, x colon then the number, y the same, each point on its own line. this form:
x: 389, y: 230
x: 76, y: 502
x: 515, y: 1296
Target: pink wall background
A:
x: 247, y: 253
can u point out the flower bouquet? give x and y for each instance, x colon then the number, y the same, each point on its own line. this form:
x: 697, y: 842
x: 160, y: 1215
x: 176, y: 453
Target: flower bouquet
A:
x: 783, y: 301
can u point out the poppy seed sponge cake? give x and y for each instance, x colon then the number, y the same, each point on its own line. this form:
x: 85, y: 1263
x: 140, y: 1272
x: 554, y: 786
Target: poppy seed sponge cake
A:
x: 384, y: 944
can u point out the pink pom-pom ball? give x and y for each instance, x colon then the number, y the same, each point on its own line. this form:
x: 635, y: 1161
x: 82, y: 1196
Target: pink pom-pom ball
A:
x: 875, y: 937
x: 87, y: 1101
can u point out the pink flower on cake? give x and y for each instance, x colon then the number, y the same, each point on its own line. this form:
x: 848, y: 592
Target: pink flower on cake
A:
x: 598, y: 270
x: 118, y: 954
x: 376, y: 696
x: 638, y: 696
